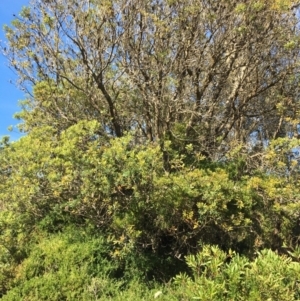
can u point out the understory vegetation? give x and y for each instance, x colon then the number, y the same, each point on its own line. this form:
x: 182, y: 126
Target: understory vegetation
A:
x: 159, y: 160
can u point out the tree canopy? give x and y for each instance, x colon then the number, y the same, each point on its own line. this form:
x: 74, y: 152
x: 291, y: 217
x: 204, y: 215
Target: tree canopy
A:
x: 205, y: 72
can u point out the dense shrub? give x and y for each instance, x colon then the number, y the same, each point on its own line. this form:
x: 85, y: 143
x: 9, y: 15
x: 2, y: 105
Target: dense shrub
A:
x: 73, y: 265
x: 146, y: 217
x: 268, y: 277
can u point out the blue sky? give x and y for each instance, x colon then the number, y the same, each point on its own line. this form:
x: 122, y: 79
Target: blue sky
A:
x: 9, y: 94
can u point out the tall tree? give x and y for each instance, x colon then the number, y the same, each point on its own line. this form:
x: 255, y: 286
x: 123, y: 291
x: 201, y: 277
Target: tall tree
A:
x: 205, y: 72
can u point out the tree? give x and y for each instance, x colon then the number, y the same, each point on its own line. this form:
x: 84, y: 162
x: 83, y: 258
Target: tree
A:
x: 202, y: 72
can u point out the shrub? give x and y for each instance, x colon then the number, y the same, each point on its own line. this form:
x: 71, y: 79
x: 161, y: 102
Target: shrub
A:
x: 220, y: 276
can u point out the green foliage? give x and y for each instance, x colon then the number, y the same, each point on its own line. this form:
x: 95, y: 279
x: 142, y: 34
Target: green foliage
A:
x: 51, y: 179
x: 126, y: 171
x: 147, y: 219
x: 268, y: 277
x: 65, y: 266
x: 75, y: 175
x: 75, y: 264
